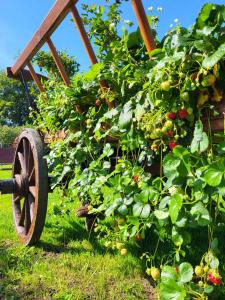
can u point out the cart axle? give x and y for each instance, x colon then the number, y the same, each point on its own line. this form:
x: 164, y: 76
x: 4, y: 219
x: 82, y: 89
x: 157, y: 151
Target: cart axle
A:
x: 7, y: 186
x: 18, y: 185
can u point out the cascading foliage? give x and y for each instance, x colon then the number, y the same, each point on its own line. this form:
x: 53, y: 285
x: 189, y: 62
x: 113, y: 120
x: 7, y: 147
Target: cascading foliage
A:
x: 148, y: 163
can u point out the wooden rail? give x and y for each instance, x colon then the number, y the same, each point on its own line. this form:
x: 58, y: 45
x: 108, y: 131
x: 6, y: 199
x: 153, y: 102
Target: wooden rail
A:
x: 54, y: 18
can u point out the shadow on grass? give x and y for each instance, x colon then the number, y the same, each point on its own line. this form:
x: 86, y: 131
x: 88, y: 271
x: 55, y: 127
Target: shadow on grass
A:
x: 72, y: 233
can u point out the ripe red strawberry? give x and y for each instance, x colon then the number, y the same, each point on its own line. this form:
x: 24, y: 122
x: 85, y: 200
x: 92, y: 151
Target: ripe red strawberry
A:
x: 214, y: 280
x: 172, y: 145
x: 183, y: 113
x: 169, y: 133
x: 171, y: 115
x: 135, y: 178
x: 98, y: 102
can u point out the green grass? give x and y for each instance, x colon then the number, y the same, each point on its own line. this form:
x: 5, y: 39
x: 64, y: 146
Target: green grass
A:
x: 61, y: 265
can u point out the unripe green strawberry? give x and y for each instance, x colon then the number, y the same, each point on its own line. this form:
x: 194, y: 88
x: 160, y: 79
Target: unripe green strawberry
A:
x: 199, y: 270
x: 166, y: 85
x: 155, y: 273
x: 185, y: 96
x: 123, y: 251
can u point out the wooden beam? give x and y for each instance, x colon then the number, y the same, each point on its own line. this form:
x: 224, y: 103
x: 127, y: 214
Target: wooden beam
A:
x: 51, y: 22
x: 58, y: 62
x: 83, y: 34
x: 26, y: 73
x: 143, y: 24
x: 88, y: 47
x: 35, y: 77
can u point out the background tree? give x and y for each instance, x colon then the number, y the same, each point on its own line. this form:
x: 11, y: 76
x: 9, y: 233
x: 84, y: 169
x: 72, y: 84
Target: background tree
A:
x: 14, y: 104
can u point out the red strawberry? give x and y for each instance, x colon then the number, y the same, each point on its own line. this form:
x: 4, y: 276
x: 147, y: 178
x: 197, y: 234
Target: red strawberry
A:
x: 98, y: 102
x: 135, y: 178
x: 171, y: 115
x: 169, y: 133
x: 183, y: 113
x: 214, y: 280
x: 172, y: 145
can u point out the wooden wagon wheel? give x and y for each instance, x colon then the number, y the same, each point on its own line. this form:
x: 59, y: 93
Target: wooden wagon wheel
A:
x: 29, y: 200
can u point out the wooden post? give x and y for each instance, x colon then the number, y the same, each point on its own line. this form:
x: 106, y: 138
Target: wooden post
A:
x: 143, y: 24
x: 88, y: 47
x: 35, y: 77
x: 58, y: 62
x: 84, y: 37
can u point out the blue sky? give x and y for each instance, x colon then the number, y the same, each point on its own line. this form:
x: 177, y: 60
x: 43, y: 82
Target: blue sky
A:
x: 19, y: 19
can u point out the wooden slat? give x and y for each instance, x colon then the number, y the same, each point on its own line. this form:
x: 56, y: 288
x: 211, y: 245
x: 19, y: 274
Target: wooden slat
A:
x: 51, y: 22
x: 58, y: 62
x: 143, y: 24
x: 35, y: 77
x: 26, y: 74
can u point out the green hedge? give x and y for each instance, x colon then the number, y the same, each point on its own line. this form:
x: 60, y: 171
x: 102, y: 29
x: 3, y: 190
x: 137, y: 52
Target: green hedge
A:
x: 8, y: 134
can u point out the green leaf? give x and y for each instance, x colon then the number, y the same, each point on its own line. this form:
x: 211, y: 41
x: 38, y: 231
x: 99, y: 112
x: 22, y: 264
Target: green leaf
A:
x: 204, y: 15
x: 201, y: 214
x: 210, y: 61
x: 169, y: 273
x: 126, y: 115
x: 160, y: 214
x: 186, y: 272
x: 177, y: 238
x: 171, y: 290
x: 145, y: 211
x: 170, y: 164
x: 176, y: 202
x: 137, y: 209
x: 108, y: 151
x: 214, y: 173
x: 200, y: 141
x: 123, y: 210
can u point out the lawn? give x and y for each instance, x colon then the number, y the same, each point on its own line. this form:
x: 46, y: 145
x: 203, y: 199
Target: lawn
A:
x: 67, y: 263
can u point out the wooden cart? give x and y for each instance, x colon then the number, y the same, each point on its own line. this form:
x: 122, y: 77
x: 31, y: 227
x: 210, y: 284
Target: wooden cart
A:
x: 29, y: 184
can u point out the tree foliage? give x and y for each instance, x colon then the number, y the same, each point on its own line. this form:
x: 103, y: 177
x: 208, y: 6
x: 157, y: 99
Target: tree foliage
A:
x: 14, y: 105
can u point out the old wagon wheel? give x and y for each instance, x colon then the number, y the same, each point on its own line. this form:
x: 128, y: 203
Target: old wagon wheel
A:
x: 29, y: 200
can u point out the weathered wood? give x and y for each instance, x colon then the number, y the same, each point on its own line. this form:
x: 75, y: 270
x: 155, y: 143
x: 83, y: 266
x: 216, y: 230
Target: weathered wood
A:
x: 83, y: 34
x: 26, y: 74
x: 143, y: 24
x: 58, y: 62
x: 35, y: 77
x: 49, y: 25
x: 88, y: 47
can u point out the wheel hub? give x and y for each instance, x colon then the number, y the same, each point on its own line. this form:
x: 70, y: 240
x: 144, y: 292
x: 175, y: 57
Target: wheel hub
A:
x: 18, y: 185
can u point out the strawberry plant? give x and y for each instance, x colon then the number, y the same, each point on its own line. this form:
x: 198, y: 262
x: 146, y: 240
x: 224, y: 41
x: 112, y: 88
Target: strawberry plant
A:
x: 152, y: 164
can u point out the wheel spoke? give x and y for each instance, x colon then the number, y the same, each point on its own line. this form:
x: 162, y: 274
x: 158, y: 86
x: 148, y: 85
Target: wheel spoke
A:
x: 33, y: 191
x: 32, y: 205
x: 27, y: 220
x: 22, y: 216
x: 25, y: 154
x: 22, y: 162
x: 31, y: 177
x: 18, y: 198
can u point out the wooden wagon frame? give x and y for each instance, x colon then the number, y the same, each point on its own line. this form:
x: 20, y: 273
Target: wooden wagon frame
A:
x: 29, y: 185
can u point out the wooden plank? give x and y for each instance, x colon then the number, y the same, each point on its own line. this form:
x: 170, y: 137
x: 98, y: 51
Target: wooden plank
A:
x: 48, y: 26
x: 58, y: 62
x: 143, y: 24
x: 35, y: 77
x: 26, y: 74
